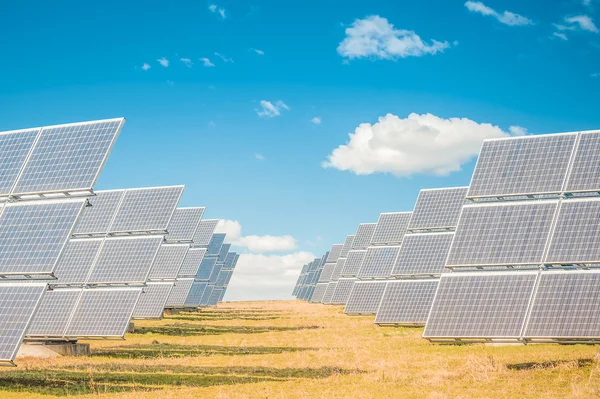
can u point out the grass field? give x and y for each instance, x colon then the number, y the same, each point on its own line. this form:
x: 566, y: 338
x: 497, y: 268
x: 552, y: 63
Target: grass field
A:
x: 293, y: 349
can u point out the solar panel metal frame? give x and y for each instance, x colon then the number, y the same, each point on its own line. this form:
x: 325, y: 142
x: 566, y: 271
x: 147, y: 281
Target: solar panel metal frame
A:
x: 406, y: 302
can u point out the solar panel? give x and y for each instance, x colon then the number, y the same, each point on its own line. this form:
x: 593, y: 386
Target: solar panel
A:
x: 125, y: 260
x: 566, y: 305
x: 423, y: 254
x: 318, y: 293
x: 329, y: 292
x: 33, y: 234
x: 223, y: 278
x: 512, y: 233
x: 214, y: 297
x: 521, y: 166
x: 206, y: 267
x: 14, y: 148
x: 365, y: 297
x: 195, y: 294
x: 230, y: 260
x: 223, y: 291
x: 480, y: 305
x: 378, y: 262
x: 103, y: 312
x: 216, y: 242
x: 438, y: 208
x: 334, y: 254
x: 576, y: 237
x: 76, y: 261
x: 223, y: 253
x: 184, y: 223
x: 68, y: 157
x: 347, y: 246
x: 53, y: 313
x: 406, y: 302
x: 353, y: 262
x: 152, y: 301
x: 585, y: 171
x: 363, y: 235
x: 192, y: 262
x: 342, y: 291
x: 327, y: 272
x: 146, y: 209
x: 17, y: 306
x: 337, y: 270
x: 206, y: 295
x: 391, y: 228
x: 168, y: 262
x: 215, y: 273
x: 205, y: 232
x: 179, y: 292
x: 97, y: 218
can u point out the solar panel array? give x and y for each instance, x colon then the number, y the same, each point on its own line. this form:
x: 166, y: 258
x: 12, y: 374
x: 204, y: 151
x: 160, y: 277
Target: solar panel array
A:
x: 365, y: 297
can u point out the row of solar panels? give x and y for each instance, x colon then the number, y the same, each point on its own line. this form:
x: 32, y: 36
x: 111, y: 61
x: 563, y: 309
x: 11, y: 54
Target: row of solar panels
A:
x: 512, y: 266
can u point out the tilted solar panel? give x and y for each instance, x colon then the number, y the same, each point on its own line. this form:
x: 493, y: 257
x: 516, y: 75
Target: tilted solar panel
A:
x: 318, y: 293
x: 214, y: 275
x: 337, y: 270
x: 223, y: 253
x: 334, y: 254
x: 68, y: 157
x: 423, y: 254
x: 362, y: 238
x: 206, y: 295
x: 347, y: 246
x: 365, y: 297
x: 438, y: 208
x: 179, y: 292
x: 342, y: 291
x: 327, y: 272
x: 168, y: 262
x: 585, y: 170
x: 378, y: 262
x: 223, y: 278
x: 205, y: 232
x: 195, y: 294
x: 391, y: 228
x: 231, y: 260
x: 480, y: 305
x: 223, y: 291
x: 103, y: 312
x: 216, y: 242
x: 97, y: 218
x: 152, y: 301
x: 353, y: 262
x: 213, y: 300
x: 54, y: 312
x: 513, y: 233
x: 184, y: 224
x: 329, y: 292
x: 76, y: 261
x: 192, y: 262
x: 521, y: 166
x: 14, y: 147
x: 206, y: 268
x: 34, y: 234
x: 18, y: 303
x: 406, y: 302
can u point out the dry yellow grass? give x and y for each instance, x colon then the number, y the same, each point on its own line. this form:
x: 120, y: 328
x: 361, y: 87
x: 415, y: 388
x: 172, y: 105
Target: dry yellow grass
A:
x: 291, y: 349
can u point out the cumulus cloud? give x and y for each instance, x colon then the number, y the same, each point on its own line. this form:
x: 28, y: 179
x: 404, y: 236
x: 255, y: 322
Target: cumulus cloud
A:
x: 583, y: 22
x: 163, y: 61
x: 216, y: 9
x: 517, y: 130
x: 507, y: 17
x: 254, y: 243
x: 316, y: 120
x: 188, y: 63
x: 374, y: 37
x: 146, y: 66
x: 269, y: 110
x: 260, y: 277
x: 206, y: 62
x: 416, y: 144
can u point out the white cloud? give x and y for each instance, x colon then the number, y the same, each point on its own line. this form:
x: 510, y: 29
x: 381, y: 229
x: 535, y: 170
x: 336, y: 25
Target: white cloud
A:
x: 260, y: 277
x: 416, y: 144
x: 257, y: 51
x: 225, y: 59
x: 517, y: 130
x: 270, y: 110
x: 254, y: 243
x: 584, y: 22
x: 212, y: 7
x: 217, y: 9
x: 507, y: 17
x: 375, y: 37
x: 188, y: 63
x: 146, y: 66
x: 560, y: 35
x: 316, y: 120
x: 163, y: 61
x: 207, y: 62
x: 260, y: 157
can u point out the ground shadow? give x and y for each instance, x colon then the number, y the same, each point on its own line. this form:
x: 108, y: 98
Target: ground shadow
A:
x: 185, y: 329
x: 551, y: 364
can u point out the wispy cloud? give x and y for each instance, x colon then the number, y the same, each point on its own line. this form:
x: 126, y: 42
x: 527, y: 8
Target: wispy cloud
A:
x: 257, y: 51
x: 259, y: 157
x: 595, y: 75
x: 560, y: 35
x: 146, y: 66
x: 584, y: 22
x: 374, y: 37
x: 270, y: 110
x: 163, y: 61
x: 316, y: 120
x: 206, y: 62
x: 188, y: 63
x: 225, y: 59
x: 507, y: 17
x: 216, y: 9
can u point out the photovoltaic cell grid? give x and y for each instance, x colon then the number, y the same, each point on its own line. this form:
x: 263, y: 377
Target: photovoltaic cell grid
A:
x: 502, y: 234
x: 146, y: 209
x: 232, y: 258
x: 53, y: 313
x: 423, y: 254
x: 223, y: 278
x: 342, y: 291
x: 17, y: 306
x: 168, y: 261
x: 216, y: 242
x: 480, y: 305
x: 97, y: 218
x: 103, y: 312
x: 192, y: 262
x: 406, y: 302
x: 329, y: 293
x: 214, y: 275
x: 585, y: 170
x: 33, y: 235
x: 76, y: 261
x: 152, y: 301
x: 184, y: 224
x: 179, y: 293
x: 438, y: 208
x: 14, y: 147
x: 520, y: 166
x: 347, y: 246
x: 206, y: 268
x: 327, y: 272
x: 391, y: 228
x: 337, y: 271
x: 68, y: 157
x: 205, y: 232
x: 206, y: 295
x: 195, y: 294
x: 318, y: 293
x: 223, y: 253
x: 378, y: 262
x: 566, y: 305
x: 362, y: 238
x: 365, y: 297
x: 353, y: 262
x: 125, y: 260
x: 214, y: 297
x: 334, y: 254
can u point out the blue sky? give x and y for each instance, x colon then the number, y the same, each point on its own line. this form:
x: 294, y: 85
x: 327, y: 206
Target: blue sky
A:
x: 537, y: 68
